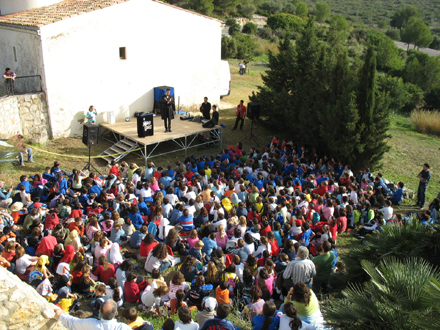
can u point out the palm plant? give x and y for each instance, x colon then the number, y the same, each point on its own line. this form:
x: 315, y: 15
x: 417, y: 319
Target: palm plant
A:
x: 411, y: 240
x: 400, y: 295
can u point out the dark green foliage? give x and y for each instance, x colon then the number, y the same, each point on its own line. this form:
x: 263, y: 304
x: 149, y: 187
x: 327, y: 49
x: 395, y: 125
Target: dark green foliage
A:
x: 225, y: 6
x: 322, y: 11
x: 246, y: 46
x: 400, y: 295
x: 387, y: 51
x: 400, y: 19
x: 314, y: 89
x: 201, y: 6
x: 396, y: 241
x: 230, y: 21
x: 432, y: 99
x: 234, y: 28
x: 383, y: 24
x: 289, y: 8
x: 401, y: 96
x: 270, y: 8
x: 435, y: 44
x: 285, y: 22
x: 416, y: 32
x: 301, y: 9
x: 229, y: 47
x: 422, y: 70
x: 338, y: 30
x: 248, y: 10
x: 393, y: 34
x: 249, y: 28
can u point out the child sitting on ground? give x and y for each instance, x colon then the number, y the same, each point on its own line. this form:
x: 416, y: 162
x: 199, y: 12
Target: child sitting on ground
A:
x: 134, y: 321
x: 222, y: 293
x: 101, y: 297
x: 177, y: 302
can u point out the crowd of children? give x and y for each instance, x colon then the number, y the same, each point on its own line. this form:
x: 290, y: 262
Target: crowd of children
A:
x: 244, y: 228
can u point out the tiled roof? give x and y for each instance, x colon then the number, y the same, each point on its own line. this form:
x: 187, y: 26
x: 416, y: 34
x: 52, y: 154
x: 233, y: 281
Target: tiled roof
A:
x: 65, y: 9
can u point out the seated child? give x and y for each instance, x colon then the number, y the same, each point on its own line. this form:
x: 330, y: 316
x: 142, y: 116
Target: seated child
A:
x: 222, y: 293
x: 185, y: 320
x: 101, y: 297
x: 134, y: 321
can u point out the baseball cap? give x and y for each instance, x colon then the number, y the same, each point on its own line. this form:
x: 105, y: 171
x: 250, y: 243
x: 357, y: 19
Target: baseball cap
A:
x: 210, y: 303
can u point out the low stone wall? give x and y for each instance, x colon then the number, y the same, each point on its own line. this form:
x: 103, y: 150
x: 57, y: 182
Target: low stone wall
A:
x: 21, y: 307
x: 27, y: 115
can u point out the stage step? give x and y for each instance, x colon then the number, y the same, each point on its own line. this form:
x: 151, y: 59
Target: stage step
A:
x: 122, y: 147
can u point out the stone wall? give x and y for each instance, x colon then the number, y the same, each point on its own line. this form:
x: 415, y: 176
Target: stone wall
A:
x: 21, y: 307
x: 27, y: 115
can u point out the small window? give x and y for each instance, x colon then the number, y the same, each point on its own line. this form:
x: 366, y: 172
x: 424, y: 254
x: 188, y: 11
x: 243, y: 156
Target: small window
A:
x: 15, y: 54
x: 122, y: 53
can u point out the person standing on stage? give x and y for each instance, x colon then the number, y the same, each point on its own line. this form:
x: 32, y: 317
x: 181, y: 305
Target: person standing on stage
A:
x: 205, y: 109
x: 91, y: 115
x: 167, y: 110
x: 241, y: 112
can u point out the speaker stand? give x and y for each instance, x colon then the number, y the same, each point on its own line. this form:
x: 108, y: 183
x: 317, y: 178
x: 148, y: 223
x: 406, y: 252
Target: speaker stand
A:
x: 251, y: 134
x: 89, y: 166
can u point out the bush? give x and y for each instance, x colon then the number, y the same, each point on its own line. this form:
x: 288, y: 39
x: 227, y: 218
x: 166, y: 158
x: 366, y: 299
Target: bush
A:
x: 402, y: 97
x: 229, y: 47
x: 248, y: 10
x: 230, y: 21
x: 246, y: 46
x: 234, y: 28
x: 270, y: 8
x: 286, y: 21
x: 435, y: 44
x: 432, y: 99
x: 400, y: 295
x: 249, y: 28
x: 393, y: 34
x: 427, y: 122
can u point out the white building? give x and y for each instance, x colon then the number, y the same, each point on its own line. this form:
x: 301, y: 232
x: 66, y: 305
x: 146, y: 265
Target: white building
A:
x: 109, y: 53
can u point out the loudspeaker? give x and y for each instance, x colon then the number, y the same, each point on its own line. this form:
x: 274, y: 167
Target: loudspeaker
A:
x: 145, y: 125
x: 90, y: 134
x: 253, y: 110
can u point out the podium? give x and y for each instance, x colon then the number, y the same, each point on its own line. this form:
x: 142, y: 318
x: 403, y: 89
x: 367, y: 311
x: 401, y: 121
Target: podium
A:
x: 158, y: 93
x: 145, y: 125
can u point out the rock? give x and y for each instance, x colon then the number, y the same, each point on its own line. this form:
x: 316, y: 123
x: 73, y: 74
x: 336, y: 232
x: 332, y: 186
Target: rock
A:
x: 26, y: 104
x: 36, y: 101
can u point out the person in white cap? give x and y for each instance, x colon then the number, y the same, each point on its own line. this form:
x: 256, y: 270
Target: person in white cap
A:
x: 209, y: 305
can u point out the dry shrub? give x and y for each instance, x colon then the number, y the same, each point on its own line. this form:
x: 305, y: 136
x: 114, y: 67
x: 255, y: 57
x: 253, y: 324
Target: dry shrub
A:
x: 265, y: 45
x: 427, y: 122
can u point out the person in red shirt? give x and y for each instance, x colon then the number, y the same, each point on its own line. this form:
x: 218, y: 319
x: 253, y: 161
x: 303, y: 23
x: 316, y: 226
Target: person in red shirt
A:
x: 322, y: 189
x: 105, y: 270
x: 114, y: 169
x: 47, y: 245
x: 147, y: 244
x: 266, y: 228
x: 52, y: 220
x: 241, y: 112
x: 342, y: 221
x: 131, y: 289
x: 275, y: 249
x: 262, y: 261
x: 76, y: 225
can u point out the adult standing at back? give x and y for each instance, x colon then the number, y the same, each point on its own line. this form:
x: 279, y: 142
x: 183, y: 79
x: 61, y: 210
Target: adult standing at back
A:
x: 424, y: 177
x: 167, y: 111
x: 241, y: 112
x: 108, y: 313
x: 205, y: 109
x: 9, y: 78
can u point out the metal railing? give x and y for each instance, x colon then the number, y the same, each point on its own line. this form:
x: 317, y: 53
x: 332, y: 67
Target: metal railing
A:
x: 23, y: 85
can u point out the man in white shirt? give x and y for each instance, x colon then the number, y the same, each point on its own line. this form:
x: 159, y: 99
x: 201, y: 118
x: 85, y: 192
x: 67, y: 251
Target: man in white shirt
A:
x: 387, y: 210
x: 302, y: 269
x: 108, y: 313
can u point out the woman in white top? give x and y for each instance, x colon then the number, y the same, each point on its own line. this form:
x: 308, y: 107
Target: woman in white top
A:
x: 263, y: 246
x: 291, y: 321
x: 146, y: 191
x: 136, y: 177
x: 158, y: 258
x: 77, y: 180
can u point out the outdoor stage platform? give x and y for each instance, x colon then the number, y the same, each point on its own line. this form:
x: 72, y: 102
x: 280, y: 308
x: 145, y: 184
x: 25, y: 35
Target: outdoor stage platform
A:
x: 185, y: 135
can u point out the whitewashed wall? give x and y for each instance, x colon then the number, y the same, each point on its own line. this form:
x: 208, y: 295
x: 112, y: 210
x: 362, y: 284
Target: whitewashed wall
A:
x: 164, y: 45
x: 28, y: 50
x: 15, y: 6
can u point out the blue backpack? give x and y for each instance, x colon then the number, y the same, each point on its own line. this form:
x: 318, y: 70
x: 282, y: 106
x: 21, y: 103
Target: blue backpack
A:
x: 316, y: 218
x: 152, y: 228
x: 279, y: 218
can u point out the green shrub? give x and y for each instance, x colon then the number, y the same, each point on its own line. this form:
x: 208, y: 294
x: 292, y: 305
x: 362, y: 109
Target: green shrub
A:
x: 401, y: 96
x: 234, y: 28
x: 230, y: 21
x: 248, y: 10
x: 249, y: 28
x: 229, y: 47
x: 285, y: 21
x: 393, y: 34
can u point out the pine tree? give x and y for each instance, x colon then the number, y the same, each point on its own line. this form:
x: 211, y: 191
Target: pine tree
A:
x: 374, y: 116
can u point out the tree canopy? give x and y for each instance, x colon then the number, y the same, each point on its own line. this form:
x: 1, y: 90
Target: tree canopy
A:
x: 322, y: 11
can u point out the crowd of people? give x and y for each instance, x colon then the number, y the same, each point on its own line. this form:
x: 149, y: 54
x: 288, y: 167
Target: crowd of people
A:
x: 245, y: 228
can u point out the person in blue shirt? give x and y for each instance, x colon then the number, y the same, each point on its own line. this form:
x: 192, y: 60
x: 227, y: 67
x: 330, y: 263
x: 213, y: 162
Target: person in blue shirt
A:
x: 5, y: 199
x: 95, y: 189
x: 137, y: 237
x: 210, y: 244
x: 186, y: 221
x: 61, y: 183
x: 176, y: 214
x: 307, y: 234
x: 135, y: 217
x: 396, y: 199
x: 269, y: 320
x: 166, y: 179
x: 211, y: 162
x: 25, y: 183
x: 220, y: 322
x: 84, y: 198
x: 143, y: 208
x: 224, y: 155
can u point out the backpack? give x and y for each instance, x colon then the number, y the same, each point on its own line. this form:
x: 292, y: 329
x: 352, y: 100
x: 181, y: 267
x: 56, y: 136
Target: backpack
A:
x: 279, y: 218
x: 152, y: 229
x: 316, y: 218
x: 35, y: 278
